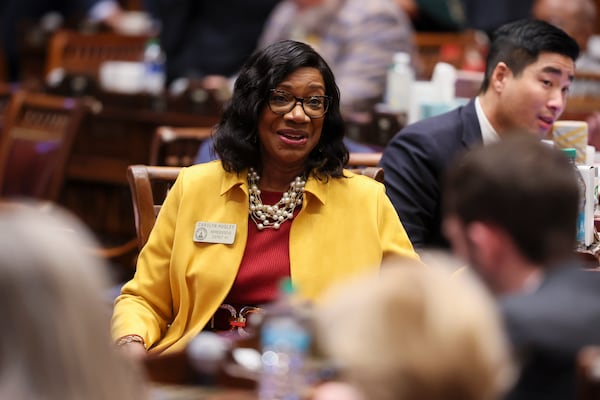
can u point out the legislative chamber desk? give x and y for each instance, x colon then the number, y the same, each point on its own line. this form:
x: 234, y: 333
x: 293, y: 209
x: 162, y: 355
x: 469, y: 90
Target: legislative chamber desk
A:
x: 118, y: 132
x: 173, y: 377
x: 186, y: 392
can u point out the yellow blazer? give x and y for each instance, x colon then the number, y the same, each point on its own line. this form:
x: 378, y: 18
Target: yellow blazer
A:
x: 345, y: 227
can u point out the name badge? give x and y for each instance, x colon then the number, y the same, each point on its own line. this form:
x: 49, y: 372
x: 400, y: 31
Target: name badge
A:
x: 214, y: 232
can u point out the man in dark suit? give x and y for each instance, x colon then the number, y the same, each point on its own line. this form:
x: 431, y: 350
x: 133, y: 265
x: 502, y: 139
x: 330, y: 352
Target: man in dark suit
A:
x: 203, y: 38
x: 510, y: 212
x: 489, y: 15
x: 530, y: 67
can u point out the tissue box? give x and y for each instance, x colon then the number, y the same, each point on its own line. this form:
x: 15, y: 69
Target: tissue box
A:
x: 588, y: 173
x: 572, y: 134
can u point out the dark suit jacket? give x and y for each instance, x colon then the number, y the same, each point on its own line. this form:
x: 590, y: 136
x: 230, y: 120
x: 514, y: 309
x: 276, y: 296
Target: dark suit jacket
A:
x: 415, y: 162
x: 548, y: 326
x: 202, y: 37
x: 490, y: 15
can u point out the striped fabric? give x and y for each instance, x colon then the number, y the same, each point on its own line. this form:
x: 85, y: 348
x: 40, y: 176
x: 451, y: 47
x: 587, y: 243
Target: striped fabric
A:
x: 357, y: 38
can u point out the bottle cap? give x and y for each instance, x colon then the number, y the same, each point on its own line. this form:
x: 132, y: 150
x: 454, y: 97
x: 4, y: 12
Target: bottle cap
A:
x: 570, y: 152
x: 401, y: 58
x: 286, y: 286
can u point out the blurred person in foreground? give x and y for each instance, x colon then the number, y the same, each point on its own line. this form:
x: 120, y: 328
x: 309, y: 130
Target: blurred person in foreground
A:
x: 510, y: 212
x: 278, y: 203
x: 357, y: 39
x: 529, y: 70
x: 413, y: 333
x: 56, y: 342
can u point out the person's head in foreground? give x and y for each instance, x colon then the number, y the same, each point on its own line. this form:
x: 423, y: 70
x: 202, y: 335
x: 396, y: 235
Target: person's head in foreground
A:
x: 529, y: 70
x: 55, y: 342
x: 413, y: 333
x: 284, y: 116
x: 510, y: 209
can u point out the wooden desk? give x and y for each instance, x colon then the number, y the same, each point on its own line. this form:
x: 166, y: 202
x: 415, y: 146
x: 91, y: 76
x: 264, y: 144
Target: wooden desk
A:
x: 185, y: 392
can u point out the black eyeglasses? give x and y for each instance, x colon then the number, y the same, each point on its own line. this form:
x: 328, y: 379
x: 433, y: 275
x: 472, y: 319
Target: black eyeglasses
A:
x: 282, y: 102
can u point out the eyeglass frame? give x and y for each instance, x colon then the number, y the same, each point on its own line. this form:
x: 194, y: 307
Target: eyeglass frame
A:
x: 327, y: 100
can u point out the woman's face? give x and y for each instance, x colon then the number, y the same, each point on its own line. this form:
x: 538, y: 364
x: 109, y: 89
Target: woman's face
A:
x: 286, y: 140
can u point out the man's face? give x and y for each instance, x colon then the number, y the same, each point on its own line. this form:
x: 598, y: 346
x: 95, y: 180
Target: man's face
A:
x: 536, y: 98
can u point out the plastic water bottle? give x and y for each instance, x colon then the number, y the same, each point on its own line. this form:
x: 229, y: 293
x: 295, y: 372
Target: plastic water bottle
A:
x: 285, y: 342
x: 571, y: 154
x: 400, y: 77
x: 154, y: 67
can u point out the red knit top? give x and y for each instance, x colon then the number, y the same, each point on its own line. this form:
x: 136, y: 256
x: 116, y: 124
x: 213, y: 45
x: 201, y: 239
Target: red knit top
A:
x: 265, y: 262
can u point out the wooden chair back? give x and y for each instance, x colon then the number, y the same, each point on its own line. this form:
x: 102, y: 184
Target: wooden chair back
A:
x: 372, y: 172
x: 588, y: 373
x: 177, y: 146
x: 584, y: 98
x: 77, y: 53
x: 450, y: 47
x: 364, y: 159
x: 149, y: 185
x: 36, y: 142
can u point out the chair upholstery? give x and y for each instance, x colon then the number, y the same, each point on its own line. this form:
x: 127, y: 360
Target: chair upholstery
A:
x: 35, y: 144
x: 149, y: 185
x: 177, y: 146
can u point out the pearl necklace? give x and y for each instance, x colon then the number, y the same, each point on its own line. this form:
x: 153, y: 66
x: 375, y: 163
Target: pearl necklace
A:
x: 265, y: 216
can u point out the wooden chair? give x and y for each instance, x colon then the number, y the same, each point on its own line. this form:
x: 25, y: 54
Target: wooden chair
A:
x: 177, y: 146
x: 81, y: 54
x: 584, y: 98
x: 588, y: 373
x: 364, y: 159
x: 149, y: 186
x: 372, y: 172
x: 36, y: 142
x: 450, y: 47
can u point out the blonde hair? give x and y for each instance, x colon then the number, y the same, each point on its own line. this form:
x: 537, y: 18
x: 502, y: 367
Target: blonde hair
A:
x: 55, y: 341
x: 415, y: 332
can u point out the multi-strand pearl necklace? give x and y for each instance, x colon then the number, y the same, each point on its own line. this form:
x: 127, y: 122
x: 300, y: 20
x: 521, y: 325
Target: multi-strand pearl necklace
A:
x: 265, y: 216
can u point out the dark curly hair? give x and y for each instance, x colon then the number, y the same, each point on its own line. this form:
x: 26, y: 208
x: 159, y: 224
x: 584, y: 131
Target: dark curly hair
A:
x: 236, y: 135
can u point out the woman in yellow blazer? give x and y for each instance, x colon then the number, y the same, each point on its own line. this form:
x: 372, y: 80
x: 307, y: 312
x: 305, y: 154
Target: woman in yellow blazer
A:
x: 277, y: 204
